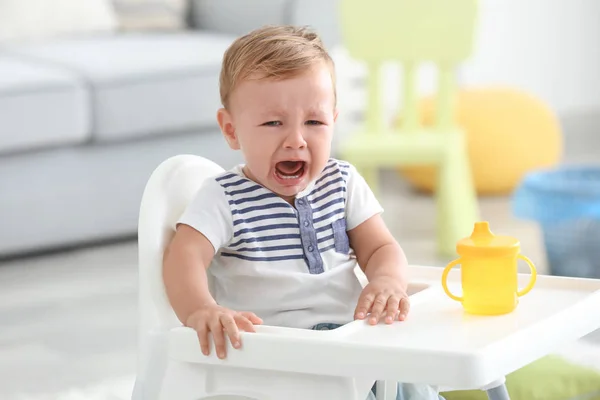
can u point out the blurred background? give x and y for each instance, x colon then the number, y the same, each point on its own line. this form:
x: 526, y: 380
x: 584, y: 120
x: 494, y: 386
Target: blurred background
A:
x: 95, y: 94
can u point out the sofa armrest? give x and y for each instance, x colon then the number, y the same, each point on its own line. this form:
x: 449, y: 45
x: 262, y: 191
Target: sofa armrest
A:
x: 238, y: 17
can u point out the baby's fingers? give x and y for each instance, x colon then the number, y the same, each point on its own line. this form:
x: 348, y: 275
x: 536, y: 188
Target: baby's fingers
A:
x: 216, y: 328
x: 365, y: 302
x: 230, y: 326
x: 244, y: 323
x: 404, y: 308
x: 202, y: 331
x: 391, y: 309
x: 252, y: 318
x: 378, y: 307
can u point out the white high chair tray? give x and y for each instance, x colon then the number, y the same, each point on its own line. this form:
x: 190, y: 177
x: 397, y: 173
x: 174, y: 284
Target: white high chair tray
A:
x: 438, y: 344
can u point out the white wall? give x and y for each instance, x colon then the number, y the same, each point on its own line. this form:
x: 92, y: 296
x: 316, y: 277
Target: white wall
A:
x: 550, y: 48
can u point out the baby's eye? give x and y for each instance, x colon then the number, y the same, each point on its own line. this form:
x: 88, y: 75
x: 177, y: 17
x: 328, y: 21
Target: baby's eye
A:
x: 313, y: 122
x: 272, y: 123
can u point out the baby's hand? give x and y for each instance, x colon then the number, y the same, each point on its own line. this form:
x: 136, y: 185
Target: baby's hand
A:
x: 218, y: 320
x: 383, y: 296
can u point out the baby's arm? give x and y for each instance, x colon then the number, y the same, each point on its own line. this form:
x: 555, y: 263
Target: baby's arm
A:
x: 379, y: 254
x: 205, y: 226
x: 185, y: 262
x: 184, y: 274
x: 384, y: 263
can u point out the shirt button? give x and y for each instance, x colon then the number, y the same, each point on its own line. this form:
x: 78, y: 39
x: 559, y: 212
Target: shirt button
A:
x: 301, y: 201
x: 306, y: 223
x: 311, y: 248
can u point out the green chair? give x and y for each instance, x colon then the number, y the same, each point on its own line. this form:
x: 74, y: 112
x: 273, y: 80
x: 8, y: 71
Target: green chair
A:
x: 410, y: 33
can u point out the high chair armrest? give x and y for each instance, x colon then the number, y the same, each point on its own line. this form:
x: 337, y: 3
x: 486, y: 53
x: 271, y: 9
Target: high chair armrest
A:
x: 267, y: 348
x: 349, y: 351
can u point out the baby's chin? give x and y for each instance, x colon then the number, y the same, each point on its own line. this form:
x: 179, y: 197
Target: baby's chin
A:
x: 288, y: 193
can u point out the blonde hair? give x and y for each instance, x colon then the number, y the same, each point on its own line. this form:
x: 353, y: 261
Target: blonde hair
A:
x: 271, y: 52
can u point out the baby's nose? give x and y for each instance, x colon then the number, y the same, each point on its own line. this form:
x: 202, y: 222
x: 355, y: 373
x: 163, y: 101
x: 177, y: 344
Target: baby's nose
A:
x: 295, y: 140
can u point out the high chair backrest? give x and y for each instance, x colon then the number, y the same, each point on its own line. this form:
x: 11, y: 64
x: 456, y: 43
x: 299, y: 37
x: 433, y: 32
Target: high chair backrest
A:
x: 409, y: 32
x: 170, y: 188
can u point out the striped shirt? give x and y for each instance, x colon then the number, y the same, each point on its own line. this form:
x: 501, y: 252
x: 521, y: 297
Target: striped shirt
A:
x: 291, y: 265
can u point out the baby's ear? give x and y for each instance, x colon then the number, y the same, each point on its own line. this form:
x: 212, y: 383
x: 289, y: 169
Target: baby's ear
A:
x: 228, y: 128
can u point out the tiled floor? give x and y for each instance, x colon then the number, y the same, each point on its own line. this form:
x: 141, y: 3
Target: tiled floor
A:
x: 68, y: 321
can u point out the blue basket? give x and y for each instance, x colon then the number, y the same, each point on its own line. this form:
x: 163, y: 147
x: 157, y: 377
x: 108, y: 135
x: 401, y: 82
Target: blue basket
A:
x: 566, y: 203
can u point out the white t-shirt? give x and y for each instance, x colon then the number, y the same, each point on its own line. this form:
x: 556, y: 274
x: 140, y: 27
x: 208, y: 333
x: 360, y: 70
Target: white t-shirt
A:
x: 290, y: 266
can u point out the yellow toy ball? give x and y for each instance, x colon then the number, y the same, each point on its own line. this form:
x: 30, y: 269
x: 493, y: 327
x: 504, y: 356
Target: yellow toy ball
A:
x: 508, y: 133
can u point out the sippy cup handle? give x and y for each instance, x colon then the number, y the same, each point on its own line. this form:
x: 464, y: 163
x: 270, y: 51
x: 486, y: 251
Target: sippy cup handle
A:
x: 445, y: 278
x: 533, y: 276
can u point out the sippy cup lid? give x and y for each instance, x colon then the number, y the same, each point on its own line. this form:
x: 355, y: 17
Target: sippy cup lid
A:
x: 483, y: 242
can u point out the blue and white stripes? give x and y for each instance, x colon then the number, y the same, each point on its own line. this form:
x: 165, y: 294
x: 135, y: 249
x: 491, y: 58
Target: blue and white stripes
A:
x: 267, y: 228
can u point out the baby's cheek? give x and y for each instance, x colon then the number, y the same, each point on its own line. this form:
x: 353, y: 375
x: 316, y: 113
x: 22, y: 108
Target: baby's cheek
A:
x: 319, y: 163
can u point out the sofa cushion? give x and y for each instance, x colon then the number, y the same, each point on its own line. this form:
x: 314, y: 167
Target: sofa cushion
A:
x: 237, y: 16
x: 143, y: 83
x: 26, y: 20
x: 40, y: 106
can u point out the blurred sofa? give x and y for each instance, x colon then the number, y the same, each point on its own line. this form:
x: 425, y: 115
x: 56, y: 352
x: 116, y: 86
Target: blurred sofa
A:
x: 84, y: 120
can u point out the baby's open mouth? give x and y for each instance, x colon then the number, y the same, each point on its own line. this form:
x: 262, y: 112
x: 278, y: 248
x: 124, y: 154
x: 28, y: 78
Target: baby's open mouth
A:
x: 290, y: 169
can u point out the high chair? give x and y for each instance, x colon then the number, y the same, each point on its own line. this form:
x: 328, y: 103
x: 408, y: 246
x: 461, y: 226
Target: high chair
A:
x: 436, y: 345
x: 410, y: 33
x: 171, y: 366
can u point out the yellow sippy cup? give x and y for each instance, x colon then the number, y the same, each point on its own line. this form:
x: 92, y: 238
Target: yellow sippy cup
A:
x: 489, y: 272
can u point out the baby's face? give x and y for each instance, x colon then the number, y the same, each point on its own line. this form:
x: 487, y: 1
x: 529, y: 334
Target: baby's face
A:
x: 284, y: 128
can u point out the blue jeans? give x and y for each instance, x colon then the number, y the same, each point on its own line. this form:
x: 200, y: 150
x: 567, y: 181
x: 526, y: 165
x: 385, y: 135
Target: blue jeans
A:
x: 406, y: 391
